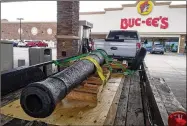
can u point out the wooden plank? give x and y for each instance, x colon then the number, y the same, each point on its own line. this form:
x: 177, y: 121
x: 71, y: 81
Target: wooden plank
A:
x: 158, y: 109
x: 170, y: 102
x: 113, y: 109
x: 94, y: 80
x: 5, y: 100
x: 135, y: 116
x: 120, y: 118
x: 68, y: 115
x: 85, y: 96
x: 16, y: 122
x: 89, y: 90
x: 82, y: 96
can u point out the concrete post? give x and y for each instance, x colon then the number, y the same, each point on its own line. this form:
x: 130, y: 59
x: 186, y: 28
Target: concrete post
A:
x: 153, y: 42
x: 181, y: 44
x: 67, y: 28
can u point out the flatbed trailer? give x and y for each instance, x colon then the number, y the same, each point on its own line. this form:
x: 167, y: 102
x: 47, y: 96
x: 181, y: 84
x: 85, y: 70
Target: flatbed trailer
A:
x: 130, y: 100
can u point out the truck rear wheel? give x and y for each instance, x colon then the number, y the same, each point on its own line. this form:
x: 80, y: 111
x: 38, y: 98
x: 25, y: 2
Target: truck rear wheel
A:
x: 138, y: 59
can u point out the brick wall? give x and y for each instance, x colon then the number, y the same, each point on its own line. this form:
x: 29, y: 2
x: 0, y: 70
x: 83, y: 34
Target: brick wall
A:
x: 68, y: 25
x: 9, y: 30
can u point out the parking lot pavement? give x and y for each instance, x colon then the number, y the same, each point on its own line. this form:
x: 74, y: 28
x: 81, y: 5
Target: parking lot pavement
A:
x: 172, y: 68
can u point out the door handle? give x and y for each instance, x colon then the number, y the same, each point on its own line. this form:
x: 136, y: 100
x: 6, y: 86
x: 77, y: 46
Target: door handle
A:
x: 113, y: 48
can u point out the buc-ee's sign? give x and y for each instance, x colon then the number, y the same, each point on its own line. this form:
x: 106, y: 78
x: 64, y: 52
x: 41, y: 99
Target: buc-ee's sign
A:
x: 145, y: 8
x: 161, y: 22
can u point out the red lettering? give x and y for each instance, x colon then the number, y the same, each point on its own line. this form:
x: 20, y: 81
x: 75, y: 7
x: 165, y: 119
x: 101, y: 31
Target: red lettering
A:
x: 131, y: 23
x: 155, y: 22
x: 124, y: 23
x: 148, y: 21
x: 138, y: 21
x: 164, y: 22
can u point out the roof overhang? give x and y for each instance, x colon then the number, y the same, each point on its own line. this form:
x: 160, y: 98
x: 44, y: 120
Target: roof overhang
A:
x: 150, y: 34
x: 10, y: 1
x: 85, y: 24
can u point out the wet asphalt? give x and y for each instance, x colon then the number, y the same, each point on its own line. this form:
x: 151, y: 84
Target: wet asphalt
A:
x: 172, y: 68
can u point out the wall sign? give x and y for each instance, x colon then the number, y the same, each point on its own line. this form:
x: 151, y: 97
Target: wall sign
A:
x: 21, y: 31
x: 49, y: 31
x: 145, y: 7
x: 34, y: 31
x: 161, y: 22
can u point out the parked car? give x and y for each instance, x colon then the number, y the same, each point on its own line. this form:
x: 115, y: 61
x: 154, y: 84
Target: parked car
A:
x: 41, y: 44
x: 158, y: 48
x: 31, y: 44
x: 15, y: 44
x: 21, y: 44
x: 123, y: 44
x: 148, y: 49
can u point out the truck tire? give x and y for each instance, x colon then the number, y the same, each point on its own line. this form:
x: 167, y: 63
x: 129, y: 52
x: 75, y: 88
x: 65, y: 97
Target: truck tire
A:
x: 138, y: 59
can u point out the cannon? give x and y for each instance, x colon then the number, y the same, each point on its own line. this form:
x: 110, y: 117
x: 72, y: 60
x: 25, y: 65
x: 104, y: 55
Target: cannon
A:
x: 39, y: 99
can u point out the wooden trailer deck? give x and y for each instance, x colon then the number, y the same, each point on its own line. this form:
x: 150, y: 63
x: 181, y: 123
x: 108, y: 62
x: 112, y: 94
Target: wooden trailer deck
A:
x: 132, y: 100
x: 121, y: 95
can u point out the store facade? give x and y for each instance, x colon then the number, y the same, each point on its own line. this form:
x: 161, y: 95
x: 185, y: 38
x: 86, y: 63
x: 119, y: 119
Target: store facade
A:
x: 157, y: 22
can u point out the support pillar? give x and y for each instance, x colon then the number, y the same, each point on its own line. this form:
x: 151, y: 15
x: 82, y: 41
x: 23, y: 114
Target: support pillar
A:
x: 181, y: 45
x: 153, y: 42
x: 67, y: 28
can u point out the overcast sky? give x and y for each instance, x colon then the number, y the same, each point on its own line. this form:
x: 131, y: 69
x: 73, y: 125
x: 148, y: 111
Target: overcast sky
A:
x: 46, y: 10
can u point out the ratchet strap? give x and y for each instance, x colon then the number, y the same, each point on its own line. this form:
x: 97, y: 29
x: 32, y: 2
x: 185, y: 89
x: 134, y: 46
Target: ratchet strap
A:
x: 129, y: 72
x: 107, y: 59
x: 119, y: 64
x: 71, y: 59
x: 56, y: 63
x: 98, y: 67
x: 110, y: 60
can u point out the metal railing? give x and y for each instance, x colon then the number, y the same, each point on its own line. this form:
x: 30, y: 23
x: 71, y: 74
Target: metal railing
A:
x: 44, y: 65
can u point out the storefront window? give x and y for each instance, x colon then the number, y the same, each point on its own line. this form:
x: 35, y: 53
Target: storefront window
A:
x: 156, y: 42
x: 171, y: 46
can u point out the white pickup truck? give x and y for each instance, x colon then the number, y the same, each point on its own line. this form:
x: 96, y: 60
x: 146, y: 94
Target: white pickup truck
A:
x: 122, y: 44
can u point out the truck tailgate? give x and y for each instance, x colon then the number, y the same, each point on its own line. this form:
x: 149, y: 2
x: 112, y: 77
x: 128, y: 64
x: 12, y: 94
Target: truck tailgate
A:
x: 124, y: 49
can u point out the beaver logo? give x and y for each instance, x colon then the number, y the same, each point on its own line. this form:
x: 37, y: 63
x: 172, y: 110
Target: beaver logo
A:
x: 145, y: 7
